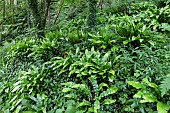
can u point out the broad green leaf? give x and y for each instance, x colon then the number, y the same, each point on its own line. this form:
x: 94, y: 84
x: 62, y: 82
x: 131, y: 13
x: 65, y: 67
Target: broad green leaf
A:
x: 77, y: 50
x: 117, y: 57
x: 76, y: 86
x: 112, y: 72
x: 147, y: 97
x: 108, y: 101
x: 67, y: 84
x: 70, y: 109
x: 84, y: 73
x: 136, y: 85
x: 92, y: 71
x: 33, y: 98
x: 87, y: 65
x: 94, y: 36
x: 58, y: 111
x: 151, y: 42
x: 84, y: 103
x: 96, y: 106
x: 16, y: 88
x: 134, y: 38
x: 90, y: 110
x: 162, y: 108
x: 145, y: 80
x: 165, y: 26
x: 109, y: 91
x: 103, y: 85
x: 65, y: 90
x: 125, y: 42
x: 105, y: 57
x: 111, y: 78
x: 70, y: 96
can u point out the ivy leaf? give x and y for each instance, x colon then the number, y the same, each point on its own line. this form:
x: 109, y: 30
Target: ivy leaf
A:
x: 136, y: 85
x: 108, y: 101
x: 162, y: 108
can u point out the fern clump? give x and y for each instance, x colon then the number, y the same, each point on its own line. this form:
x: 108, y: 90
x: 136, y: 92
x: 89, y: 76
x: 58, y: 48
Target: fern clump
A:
x: 165, y: 86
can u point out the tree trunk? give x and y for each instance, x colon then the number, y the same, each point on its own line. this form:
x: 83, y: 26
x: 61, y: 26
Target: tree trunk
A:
x: 40, y: 14
x: 12, y: 11
x: 91, y: 18
x: 3, y: 19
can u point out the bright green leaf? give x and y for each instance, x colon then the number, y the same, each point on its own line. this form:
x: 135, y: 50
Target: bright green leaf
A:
x: 136, y: 85
x: 84, y: 103
x: 108, y: 101
x: 96, y: 106
x: 162, y: 108
x: 65, y: 90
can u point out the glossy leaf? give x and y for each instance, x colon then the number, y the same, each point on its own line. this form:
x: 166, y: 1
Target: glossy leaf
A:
x: 137, y: 85
x: 162, y: 108
x: 84, y: 103
x: 108, y: 101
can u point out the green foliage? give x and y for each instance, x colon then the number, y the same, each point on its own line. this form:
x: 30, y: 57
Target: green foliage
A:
x: 94, y: 77
x: 165, y: 86
x: 149, y: 92
x: 75, y: 70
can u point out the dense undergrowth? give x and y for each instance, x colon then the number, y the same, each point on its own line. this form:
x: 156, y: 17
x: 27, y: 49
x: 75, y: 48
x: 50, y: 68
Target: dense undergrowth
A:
x: 120, y: 66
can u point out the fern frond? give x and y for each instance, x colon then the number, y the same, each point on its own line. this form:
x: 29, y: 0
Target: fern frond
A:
x: 165, y: 86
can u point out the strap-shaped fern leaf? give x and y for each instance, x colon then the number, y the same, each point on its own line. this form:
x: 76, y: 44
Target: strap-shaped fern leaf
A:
x: 165, y: 86
x: 109, y: 91
x: 95, y: 86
